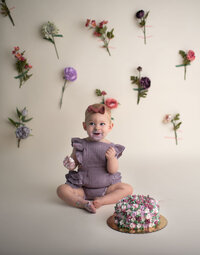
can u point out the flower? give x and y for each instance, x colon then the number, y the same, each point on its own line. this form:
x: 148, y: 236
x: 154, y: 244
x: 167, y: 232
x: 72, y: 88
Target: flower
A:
x: 22, y: 131
x: 101, y: 31
x: 49, y: 32
x: 22, y: 66
x: 143, y: 84
x: 142, y: 16
x: 111, y: 103
x: 70, y: 74
x: 168, y: 118
x: 5, y: 11
x: 191, y: 55
x: 187, y: 58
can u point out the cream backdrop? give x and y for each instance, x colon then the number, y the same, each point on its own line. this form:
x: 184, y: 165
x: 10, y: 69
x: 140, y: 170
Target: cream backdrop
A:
x: 152, y: 163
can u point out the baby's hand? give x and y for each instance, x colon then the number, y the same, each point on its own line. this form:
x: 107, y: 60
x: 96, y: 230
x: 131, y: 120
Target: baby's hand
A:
x: 69, y: 163
x: 110, y: 153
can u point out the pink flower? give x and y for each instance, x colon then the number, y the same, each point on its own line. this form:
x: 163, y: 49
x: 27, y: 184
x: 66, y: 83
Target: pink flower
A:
x: 93, y: 23
x: 111, y: 103
x: 167, y: 118
x: 191, y: 55
x: 97, y: 34
x: 104, y: 22
x: 87, y: 22
x: 103, y: 93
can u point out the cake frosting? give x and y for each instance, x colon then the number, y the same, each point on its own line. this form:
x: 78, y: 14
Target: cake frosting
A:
x: 137, y: 213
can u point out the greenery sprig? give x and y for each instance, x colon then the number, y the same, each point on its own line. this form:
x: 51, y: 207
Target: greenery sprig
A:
x: 176, y: 125
x: 22, y: 131
x: 5, y: 11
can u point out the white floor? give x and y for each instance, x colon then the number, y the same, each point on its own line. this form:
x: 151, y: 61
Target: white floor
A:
x: 35, y: 222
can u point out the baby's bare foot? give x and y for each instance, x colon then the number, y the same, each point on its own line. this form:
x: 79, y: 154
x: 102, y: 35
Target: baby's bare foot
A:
x: 89, y: 206
x: 98, y: 202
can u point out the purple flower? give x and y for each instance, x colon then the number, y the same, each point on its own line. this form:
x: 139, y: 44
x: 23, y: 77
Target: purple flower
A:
x: 70, y: 74
x: 140, y: 14
x: 145, y: 82
x: 22, y: 132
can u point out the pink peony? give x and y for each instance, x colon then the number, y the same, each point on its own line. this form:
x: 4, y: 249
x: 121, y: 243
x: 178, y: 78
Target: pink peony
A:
x: 191, y: 55
x: 111, y: 103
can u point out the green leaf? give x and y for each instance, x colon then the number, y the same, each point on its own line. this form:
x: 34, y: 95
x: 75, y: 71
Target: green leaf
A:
x: 98, y: 92
x: 182, y: 53
x: 12, y: 122
x: 58, y: 35
x: 177, y: 116
x: 27, y: 120
x: 49, y: 39
x: 21, y: 75
x: 18, y: 113
x: 142, y: 23
x: 177, y: 126
x: 146, y: 15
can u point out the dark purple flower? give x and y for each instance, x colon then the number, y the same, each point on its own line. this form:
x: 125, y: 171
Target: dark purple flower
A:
x: 145, y: 82
x: 70, y: 74
x: 139, y: 69
x: 22, y: 132
x: 140, y: 14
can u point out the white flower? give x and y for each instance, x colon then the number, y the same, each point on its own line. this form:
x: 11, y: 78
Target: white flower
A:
x: 167, y: 118
x: 146, y: 210
x: 138, y: 226
x: 49, y: 29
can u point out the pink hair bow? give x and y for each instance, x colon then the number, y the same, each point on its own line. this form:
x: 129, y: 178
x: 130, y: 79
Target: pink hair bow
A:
x: 101, y: 109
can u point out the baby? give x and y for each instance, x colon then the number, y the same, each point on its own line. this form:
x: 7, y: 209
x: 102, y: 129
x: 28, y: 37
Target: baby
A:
x: 97, y: 181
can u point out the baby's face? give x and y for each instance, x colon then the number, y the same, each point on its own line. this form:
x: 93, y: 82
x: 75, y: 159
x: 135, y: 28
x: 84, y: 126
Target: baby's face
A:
x: 98, y: 126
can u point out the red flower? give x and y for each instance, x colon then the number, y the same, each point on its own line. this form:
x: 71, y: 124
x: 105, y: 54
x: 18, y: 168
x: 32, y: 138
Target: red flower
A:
x: 103, y: 93
x: 191, y: 55
x: 97, y: 34
x: 102, y: 23
x: 111, y: 103
x: 87, y: 22
x: 93, y: 23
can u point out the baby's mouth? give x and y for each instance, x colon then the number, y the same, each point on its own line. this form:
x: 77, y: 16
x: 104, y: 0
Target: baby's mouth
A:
x: 96, y: 133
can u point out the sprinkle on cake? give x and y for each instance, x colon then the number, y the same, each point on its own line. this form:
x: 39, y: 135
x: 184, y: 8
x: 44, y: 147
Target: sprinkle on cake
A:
x: 137, y: 213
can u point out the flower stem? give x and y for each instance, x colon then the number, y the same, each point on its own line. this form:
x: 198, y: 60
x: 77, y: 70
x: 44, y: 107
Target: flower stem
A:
x: 184, y: 72
x: 138, y: 97
x: 18, y: 143
x: 63, y: 90
x: 144, y: 34
x: 175, y: 132
x: 55, y: 46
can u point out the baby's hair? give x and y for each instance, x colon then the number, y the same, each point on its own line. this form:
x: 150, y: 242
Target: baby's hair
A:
x: 97, y: 107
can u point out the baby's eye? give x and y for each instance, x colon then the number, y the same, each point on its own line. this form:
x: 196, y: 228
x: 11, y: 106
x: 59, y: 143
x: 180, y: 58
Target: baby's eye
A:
x: 91, y: 123
x: 102, y: 124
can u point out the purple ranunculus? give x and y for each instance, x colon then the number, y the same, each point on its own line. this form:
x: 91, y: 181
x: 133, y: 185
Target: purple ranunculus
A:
x: 145, y: 82
x: 140, y: 14
x: 70, y: 74
x: 22, y: 132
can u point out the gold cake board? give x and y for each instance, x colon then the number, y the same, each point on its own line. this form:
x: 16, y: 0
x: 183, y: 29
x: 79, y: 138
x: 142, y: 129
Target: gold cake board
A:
x: 161, y: 225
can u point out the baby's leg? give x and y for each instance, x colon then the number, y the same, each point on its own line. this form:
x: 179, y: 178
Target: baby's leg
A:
x: 113, y: 194
x: 75, y: 197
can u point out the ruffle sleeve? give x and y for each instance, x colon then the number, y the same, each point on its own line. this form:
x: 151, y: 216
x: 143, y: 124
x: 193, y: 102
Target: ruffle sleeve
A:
x: 119, y: 149
x: 77, y: 144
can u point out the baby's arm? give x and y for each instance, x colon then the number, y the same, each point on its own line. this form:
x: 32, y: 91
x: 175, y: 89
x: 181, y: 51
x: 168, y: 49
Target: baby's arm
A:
x: 112, y: 161
x: 71, y: 162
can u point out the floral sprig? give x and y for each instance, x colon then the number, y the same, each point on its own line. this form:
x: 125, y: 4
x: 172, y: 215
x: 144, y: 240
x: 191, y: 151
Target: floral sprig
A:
x: 143, y: 84
x: 22, y: 131
x: 49, y: 32
x: 70, y: 74
x: 168, y: 118
x: 101, y: 32
x: 187, y: 58
x: 5, y: 11
x: 142, y: 16
x: 109, y: 102
x: 22, y: 66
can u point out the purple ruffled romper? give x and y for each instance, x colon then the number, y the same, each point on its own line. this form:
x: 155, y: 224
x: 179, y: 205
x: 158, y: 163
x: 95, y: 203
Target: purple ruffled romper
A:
x: 92, y: 174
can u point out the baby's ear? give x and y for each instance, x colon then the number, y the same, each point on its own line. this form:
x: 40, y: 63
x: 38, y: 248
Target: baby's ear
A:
x: 111, y: 125
x: 84, y: 125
